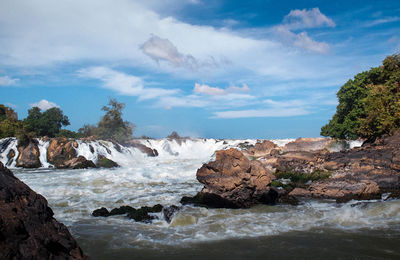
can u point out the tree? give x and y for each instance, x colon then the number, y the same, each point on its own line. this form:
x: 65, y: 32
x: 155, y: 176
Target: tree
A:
x: 368, y: 105
x: 9, y: 123
x: 47, y: 123
x: 112, y: 126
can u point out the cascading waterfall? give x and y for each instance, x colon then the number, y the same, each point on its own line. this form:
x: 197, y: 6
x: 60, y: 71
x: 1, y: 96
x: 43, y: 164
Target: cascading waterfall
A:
x: 201, y: 149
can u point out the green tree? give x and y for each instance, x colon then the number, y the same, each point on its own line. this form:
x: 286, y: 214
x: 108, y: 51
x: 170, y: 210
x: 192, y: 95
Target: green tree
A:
x: 47, y: 123
x: 368, y: 105
x: 112, y: 126
x: 9, y: 123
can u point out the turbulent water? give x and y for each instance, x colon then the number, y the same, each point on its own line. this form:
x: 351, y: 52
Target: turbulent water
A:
x: 314, y: 229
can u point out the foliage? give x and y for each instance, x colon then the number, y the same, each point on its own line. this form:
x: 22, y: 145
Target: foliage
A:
x: 87, y: 130
x: 368, y: 104
x: 7, y: 113
x: 9, y: 123
x: 112, y: 126
x: 47, y: 123
x: 68, y: 134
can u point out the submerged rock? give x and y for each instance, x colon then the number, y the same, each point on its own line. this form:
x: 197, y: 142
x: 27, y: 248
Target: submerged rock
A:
x: 139, y: 215
x: 28, y: 156
x: 104, y: 162
x: 79, y: 162
x: 27, y: 227
x: 144, y: 149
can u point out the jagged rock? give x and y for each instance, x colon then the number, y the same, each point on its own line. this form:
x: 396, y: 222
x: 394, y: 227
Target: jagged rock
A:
x: 60, y: 151
x: 28, y: 156
x: 27, y: 227
x: 169, y: 212
x: 141, y: 214
x: 235, y: 179
x: 308, y: 144
x: 10, y: 157
x: 339, y: 189
x: 104, y: 162
x: 260, y: 149
x: 79, y: 162
x: 144, y: 149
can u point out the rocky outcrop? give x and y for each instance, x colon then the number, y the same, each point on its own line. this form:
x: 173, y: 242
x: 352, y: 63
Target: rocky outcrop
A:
x: 104, y: 162
x: 260, y: 149
x: 144, y: 149
x: 79, y: 162
x: 27, y: 227
x: 60, y: 151
x: 140, y: 214
x: 234, y: 181
x: 28, y: 156
x: 342, y: 189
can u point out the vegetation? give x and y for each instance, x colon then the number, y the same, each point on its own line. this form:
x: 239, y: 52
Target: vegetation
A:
x: 47, y: 123
x: 297, y: 179
x: 369, y: 104
x: 111, y: 126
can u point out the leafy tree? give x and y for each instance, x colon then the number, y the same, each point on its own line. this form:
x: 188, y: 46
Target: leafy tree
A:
x: 68, y: 134
x: 47, y: 123
x: 112, y: 126
x: 9, y: 123
x: 369, y: 104
x: 87, y: 130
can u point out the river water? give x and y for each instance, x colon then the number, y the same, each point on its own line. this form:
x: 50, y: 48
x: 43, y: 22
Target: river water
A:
x: 311, y: 230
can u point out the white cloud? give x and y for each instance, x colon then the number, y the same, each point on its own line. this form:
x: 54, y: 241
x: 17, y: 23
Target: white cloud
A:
x: 300, y: 19
x: 382, y: 21
x: 7, y: 81
x: 44, y: 104
x: 123, y: 83
x: 205, y: 89
x: 286, y: 112
x: 302, y: 40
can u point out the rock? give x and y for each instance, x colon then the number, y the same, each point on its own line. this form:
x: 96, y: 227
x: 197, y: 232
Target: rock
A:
x: 60, y: 151
x: 10, y: 157
x: 104, y: 162
x: 234, y: 180
x: 341, y: 189
x: 169, y: 212
x: 28, y: 156
x: 144, y: 149
x: 261, y: 149
x: 209, y: 200
x: 102, y: 212
x: 79, y: 162
x: 27, y: 227
x: 141, y: 214
x: 308, y: 144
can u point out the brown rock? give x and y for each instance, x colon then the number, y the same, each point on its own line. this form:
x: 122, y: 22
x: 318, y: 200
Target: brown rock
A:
x: 236, y: 180
x: 338, y: 189
x: 261, y: 149
x: 28, y: 156
x: 308, y: 144
x: 27, y: 227
x: 60, y: 151
x: 79, y: 162
x: 144, y: 149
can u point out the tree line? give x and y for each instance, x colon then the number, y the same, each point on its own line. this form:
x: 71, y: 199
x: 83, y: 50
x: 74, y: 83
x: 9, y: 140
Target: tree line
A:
x: 50, y: 122
x: 369, y: 104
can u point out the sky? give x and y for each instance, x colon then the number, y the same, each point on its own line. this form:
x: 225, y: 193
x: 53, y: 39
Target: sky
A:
x: 212, y: 69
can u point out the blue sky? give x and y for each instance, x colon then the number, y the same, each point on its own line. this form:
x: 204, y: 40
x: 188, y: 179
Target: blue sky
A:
x: 221, y: 69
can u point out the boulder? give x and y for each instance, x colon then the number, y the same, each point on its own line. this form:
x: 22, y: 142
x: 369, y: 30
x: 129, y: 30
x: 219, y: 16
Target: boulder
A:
x: 260, y: 149
x: 28, y: 156
x: 104, y: 162
x: 79, y: 162
x: 144, y: 149
x: 60, y: 151
x: 308, y: 144
x: 27, y: 227
x: 234, y: 180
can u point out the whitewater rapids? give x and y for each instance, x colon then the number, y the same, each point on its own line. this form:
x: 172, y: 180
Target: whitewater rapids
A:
x: 165, y: 179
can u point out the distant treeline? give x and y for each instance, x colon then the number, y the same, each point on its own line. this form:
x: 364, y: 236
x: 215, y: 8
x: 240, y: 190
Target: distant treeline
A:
x: 49, y: 123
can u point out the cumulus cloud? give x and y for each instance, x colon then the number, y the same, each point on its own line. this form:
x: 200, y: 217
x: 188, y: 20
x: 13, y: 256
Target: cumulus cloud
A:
x: 304, y: 19
x: 301, y: 19
x: 160, y: 49
x: 123, y: 83
x: 7, y: 81
x: 44, y: 104
x: 207, y: 90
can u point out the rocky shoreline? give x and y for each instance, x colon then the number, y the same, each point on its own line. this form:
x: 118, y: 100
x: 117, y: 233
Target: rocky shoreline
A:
x: 306, y: 168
